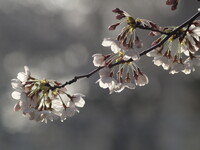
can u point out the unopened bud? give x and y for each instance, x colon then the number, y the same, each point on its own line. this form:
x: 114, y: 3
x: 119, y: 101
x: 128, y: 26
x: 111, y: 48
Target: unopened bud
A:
x: 117, y: 10
x: 113, y: 27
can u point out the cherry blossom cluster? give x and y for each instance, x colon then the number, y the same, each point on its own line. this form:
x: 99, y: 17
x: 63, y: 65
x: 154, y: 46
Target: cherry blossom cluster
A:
x: 40, y: 100
x: 179, y: 52
x: 128, y: 37
x: 176, y: 49
x: 125, y: 75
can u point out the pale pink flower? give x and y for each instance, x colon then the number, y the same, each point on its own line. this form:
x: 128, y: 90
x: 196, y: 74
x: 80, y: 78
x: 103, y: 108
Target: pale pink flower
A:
x: 116, y: 49
x: 114, y: 45
x: 24, y: 76
x: 140, y: 78
x: 116, y: 80
x: 121, y: 86
x: 154, y: 53
x: 99, y: 60
x: 106, y: 80
x: 176, y: 67
x: 190, y: 63
x: 71, y: 108
x: 42, y: 100
x: 188, y: 43
x: 131, y: 54
x: 77, y: 100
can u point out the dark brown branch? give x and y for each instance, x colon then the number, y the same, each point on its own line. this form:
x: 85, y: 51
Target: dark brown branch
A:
x: 78, y: 77
x: 152, y: 29
x: 168, y: 35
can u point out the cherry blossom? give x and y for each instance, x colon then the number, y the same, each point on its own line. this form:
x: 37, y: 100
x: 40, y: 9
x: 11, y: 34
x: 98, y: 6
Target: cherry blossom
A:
x: 128, y: 37
x: 178, y: 59
x: 41, y: 100
x: 99, y: 60
x: 128, y: 74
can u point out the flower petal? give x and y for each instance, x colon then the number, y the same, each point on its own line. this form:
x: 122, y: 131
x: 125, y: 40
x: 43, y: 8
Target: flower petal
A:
x: 15, y: 83
x: 17, y: 106
x: 27, y: 71
x: 107, y: 42
x: 78, y: 100
x: 16, y: 95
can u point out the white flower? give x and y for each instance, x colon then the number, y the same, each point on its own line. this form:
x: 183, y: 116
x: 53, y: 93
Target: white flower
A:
x: 23, y: 76
x: 141, y: 79
x: 166, y: 62
x: 69, y: 112
x: 122, y: 80
x: 116, y: 80
x: 76, y: 101
x: 194, y: 31
x: 190, y: 62
x: 116, y: 49
x: 107, y: 42
x: 176, y: 67
x: 106, y: 81
x: 43, y: 100
x: 188, y: 68
x: 131, y: 54
x: 121, y: 86
x: 168, y: 55
x: 154, y: 53
x: 16, y: 84
x: 158, y: 61
x: 17, y: 95
x: 99, y: 60
x: 190, y: 44
x: 184, y: 49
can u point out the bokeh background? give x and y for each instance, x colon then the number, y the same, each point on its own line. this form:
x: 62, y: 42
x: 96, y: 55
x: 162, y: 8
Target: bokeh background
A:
x: 56, y: 39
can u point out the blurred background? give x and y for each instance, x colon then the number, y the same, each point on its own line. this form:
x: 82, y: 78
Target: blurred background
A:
x: 56, y: 39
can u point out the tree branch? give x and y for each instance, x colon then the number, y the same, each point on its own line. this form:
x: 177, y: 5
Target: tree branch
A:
x: 188, y: 22
x: 168, y: 35
x: 152, y: 29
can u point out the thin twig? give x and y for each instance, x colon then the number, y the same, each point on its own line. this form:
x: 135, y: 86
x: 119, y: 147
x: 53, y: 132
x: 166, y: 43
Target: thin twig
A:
x: 78, y: 77
x: 152, y: 29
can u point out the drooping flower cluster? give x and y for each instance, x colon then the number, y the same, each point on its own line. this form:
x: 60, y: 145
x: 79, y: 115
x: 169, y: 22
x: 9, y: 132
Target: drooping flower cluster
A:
x: 178, y: 53
x: 128, y: 37
x: 126, y: 75
x: 40, y: 100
